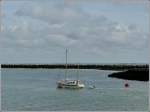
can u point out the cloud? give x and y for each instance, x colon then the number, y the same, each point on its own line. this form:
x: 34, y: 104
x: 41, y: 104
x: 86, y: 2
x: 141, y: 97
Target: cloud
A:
x: 53, y: 24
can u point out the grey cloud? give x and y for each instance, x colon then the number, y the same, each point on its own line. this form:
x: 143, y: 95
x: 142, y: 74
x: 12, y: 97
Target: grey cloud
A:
x: 75, y: 24
x: 55, y: 24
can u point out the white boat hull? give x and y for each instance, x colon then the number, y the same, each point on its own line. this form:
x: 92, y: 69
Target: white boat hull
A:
x: 70, y: 84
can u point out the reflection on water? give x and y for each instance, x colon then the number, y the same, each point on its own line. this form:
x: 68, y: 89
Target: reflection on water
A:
x: 35, y: 89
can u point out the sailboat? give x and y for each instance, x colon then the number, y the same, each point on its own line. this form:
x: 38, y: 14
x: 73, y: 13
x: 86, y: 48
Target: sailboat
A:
x: 70, y: 84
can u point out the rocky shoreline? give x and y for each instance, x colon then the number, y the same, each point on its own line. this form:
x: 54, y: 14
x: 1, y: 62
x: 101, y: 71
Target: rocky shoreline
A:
x: 133, y: 74
x: 138, y: 72
x: 117, y: 67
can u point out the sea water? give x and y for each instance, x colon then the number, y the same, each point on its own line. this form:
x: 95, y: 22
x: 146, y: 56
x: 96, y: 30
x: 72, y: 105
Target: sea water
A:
x: 36, y: 90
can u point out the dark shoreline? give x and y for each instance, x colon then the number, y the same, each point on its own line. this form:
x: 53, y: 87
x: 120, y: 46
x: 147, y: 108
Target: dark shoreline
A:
x: 81, y: 66
x: 139, y: 72
x: 134, y: 74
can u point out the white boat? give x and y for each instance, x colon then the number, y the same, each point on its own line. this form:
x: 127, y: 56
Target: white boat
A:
x: 70, y: 84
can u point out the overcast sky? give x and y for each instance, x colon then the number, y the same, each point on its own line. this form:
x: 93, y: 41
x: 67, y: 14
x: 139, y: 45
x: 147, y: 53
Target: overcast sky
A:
x: 94, y: 31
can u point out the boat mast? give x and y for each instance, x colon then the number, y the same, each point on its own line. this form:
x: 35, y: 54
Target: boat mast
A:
x: 1, y: 16
x: 77, y: 72
x: 66, y: 66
